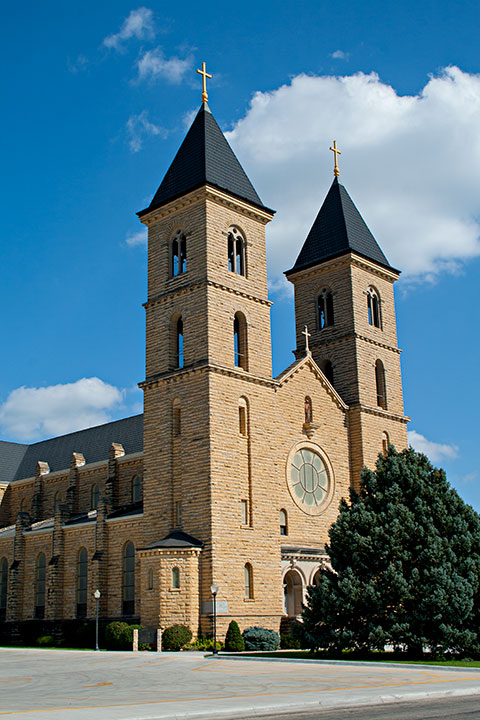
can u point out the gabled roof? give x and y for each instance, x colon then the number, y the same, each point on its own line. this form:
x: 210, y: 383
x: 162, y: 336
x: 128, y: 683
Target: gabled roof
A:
x: 338, y: 229
x: 176, y: 539
x: 204, y: 158
x: 11, y: 455
x: 94, y: 443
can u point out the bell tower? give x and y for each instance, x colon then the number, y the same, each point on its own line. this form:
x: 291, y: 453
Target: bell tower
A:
x: 344, y: 294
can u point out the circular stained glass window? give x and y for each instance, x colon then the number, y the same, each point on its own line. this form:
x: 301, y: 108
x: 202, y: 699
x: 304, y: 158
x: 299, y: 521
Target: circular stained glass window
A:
x: 309, y: 481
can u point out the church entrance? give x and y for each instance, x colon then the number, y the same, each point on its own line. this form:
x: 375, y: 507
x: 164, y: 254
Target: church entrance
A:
x: 293, y: 593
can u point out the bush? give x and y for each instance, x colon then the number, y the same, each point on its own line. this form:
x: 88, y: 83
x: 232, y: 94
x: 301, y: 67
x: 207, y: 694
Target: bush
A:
x: 258, y: 638
x: 176, y: 637
x: 234, y: 641
x: 288, y: 642
x: 45, y: 640
x: 119, y: 635
x: 205, y: 644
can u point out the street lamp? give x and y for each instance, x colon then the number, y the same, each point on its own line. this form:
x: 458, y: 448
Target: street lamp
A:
x: 214, y: 591
x: 96, y: 595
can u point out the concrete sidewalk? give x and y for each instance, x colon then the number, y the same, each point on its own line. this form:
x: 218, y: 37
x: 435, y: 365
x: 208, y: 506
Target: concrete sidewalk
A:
x: 72, y: 685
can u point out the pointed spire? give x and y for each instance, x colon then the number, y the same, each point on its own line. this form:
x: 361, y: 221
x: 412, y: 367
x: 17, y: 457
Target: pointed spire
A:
x: 205, y: 158
x: 338, y: 229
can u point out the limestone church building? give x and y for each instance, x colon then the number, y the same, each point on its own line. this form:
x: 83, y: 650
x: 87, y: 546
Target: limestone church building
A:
x: 230, y: 475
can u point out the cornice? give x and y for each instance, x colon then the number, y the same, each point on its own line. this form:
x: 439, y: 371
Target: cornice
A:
x: 380, y: 412
x: 356, y: 336
x: 349, y: 258
x: 169, y: 552
x: 174, y: 292
x: 173, y: 376
x: 207, y: 192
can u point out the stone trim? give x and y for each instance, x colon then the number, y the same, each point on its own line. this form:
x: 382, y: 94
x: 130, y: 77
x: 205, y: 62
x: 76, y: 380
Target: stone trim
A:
x: 357, y: 336
x: 348, y: 258
x: 168, y: 552
x: 198, y: 286
x: 370, y: 410
x: 126, y: 517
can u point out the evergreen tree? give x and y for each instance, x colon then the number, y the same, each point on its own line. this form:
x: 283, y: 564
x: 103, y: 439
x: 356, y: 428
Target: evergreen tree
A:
x: 234, y: 641
x: 405, y: 565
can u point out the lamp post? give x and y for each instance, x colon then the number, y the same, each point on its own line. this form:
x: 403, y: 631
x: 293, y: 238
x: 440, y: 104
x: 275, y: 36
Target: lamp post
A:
x: 96, y: 595
x: 214, y: 591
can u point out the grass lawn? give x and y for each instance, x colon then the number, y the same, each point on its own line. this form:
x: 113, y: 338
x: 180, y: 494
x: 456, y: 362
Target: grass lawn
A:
x: 373, y: 657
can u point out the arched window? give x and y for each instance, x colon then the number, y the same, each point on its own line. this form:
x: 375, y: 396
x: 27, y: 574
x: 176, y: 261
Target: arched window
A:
x: 3, y: 587
x: 248, y: 576
x: 82, y: 582
x: 178, y: 253
x: 40, y: 574
x: 327, y: 368
x: 242, y: 417
x: 385, y: 442
x: 179, y: 343
x: 236, y: 251
x: 240, y: 341
x: 22, y: 505
x: 283, y: 522
x: 94, y: 495
x: 381, y: 385
x: 293, y: 593
x: 373, y: 307
x: 175, y: 578
x: 56, y: 501
x: 325, y: 308
x: 128, y: 579
x: 316, y: 578
x: 150, y: 579
x: 136, y: 489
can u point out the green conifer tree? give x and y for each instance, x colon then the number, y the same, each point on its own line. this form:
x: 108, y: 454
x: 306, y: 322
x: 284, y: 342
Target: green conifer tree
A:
x: 405, y: 557
x: 234, y: 641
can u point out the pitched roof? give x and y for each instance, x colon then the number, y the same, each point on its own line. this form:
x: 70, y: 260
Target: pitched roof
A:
x: 94, y: 443
x: 176, y: 539
x: 11, y: 455
x: 338, y: 229
x: 204, y: 158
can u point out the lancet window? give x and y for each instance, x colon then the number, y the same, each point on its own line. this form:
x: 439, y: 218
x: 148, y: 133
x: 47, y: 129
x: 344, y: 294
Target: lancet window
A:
x: 82, y: 583
x: 40, y: 577
x: 178, y: 253
x: 240, y: 341
x: 380, y: 384
x: 128, y: 579
x: 236, y: 251
x: 373, y: 308
x: 325, y: 309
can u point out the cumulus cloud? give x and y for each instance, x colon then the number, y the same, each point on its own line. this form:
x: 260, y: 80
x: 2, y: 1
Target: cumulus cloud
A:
x: 411, y: 164
x: 153, y: 65
x: 137, y: 239
x: 340, y: 55
x: 436, y: 452
x: 139, y: 127
x: 32, y: 413
x: 139, y: 24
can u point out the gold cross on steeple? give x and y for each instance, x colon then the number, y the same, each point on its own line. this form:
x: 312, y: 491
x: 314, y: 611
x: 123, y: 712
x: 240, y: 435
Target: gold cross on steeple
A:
x: 336, y: 152
x: 204, y: 74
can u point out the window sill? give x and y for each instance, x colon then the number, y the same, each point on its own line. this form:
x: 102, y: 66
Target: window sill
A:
x: 174, y: 590
x: 249, y: 600
x: 246, y: 527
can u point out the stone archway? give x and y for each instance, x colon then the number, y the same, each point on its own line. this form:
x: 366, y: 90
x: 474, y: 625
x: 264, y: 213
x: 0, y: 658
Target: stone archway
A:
x: 293, y: 593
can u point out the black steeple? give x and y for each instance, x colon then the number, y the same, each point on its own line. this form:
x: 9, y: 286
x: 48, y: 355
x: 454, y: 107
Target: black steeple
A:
x: 338, y: 229
x: 204, y: 158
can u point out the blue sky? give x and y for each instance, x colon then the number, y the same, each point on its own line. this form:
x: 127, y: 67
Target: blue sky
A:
x: 96, y: 100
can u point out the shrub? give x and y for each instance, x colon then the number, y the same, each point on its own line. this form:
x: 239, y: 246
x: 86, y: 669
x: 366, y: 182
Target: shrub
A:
x: 176, y: 637
x: 258, y: 638
x: 119, y: 635
x: 45, y: 640
x: 205, y: 644
x: 234, y: 641
x: 288, y: 642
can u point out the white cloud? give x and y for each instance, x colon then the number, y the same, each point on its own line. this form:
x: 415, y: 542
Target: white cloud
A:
x: 139, y: 127
x: 153, y: 65
x: 78, y: 65
x: 410, y: 163
x: 138, y: 24
x: 340, y: 55
x: 137, y: 239
x: 32, y: 413
x: 436, y: 452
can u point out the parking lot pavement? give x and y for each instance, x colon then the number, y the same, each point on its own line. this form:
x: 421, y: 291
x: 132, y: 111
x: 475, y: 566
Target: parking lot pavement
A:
x: 71, y: 685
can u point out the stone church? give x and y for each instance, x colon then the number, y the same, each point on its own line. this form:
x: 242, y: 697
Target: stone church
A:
x: 230, y: 475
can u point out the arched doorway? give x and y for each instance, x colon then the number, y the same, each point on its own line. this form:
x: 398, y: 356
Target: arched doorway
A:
x: 293, y: 593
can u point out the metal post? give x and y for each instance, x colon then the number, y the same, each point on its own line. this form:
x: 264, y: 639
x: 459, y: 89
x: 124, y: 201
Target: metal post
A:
x: 97, y: 594
x: 214, y: 591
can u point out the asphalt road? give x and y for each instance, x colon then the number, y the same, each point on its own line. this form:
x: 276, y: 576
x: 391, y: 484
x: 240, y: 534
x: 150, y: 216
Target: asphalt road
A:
x: 459, y: 708
x: 71, y: 685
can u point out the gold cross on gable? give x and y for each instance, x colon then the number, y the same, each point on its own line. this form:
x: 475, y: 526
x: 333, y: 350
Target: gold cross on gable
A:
x: 205, y: 75
x: 336, y: 152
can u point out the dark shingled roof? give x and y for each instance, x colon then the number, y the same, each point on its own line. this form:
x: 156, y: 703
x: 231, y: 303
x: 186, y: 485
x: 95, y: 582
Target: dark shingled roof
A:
x: 11, y: 455
x: 204, y: 158
x: 338, y: 229
x: 94, y: 443
x: 176, y: 539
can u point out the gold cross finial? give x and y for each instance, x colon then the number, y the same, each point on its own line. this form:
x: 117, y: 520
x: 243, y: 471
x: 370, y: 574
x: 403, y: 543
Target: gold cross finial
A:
x: 336, y: 152
x: 204, y: 74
